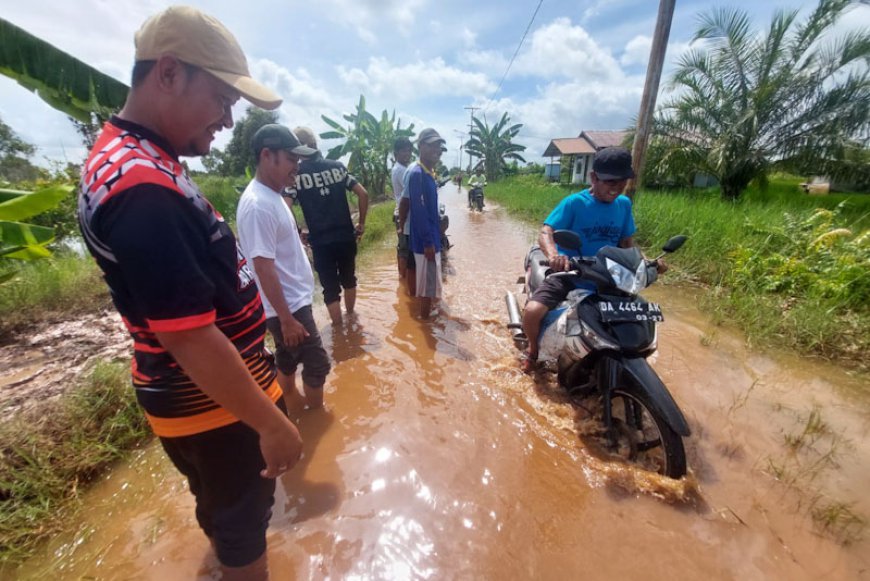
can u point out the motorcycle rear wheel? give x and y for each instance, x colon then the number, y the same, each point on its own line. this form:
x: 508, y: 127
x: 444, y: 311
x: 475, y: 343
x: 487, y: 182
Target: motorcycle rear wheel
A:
x: 642, y: 437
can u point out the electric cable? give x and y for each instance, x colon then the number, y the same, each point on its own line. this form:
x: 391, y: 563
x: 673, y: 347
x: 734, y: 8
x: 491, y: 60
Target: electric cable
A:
x: 516, y: 52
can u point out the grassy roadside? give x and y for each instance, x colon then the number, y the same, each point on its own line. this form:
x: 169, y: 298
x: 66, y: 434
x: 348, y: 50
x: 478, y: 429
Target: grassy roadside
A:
x: 789, y: 269
x: 50, y: 454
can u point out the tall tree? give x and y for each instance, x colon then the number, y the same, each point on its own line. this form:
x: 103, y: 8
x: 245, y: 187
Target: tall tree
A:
x: 495, y: 145
x: 369, y: 141
x: 15, y: 164
x: 238, y: 155
x: 747, y: 99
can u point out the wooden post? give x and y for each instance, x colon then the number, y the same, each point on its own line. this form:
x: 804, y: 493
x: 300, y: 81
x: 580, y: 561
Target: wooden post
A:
x: 650, y: 92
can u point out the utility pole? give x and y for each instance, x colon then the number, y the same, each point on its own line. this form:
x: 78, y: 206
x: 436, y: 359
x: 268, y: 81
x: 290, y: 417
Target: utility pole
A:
x: 650, y: 91
x: 470, y: 129
x: 461, y: 145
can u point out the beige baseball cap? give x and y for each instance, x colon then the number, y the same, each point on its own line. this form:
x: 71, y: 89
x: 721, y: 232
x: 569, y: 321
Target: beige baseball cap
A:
x: 201, y: 40
x: 306, y: 136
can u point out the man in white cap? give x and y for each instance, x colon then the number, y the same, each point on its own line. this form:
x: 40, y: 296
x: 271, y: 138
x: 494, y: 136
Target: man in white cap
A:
x: 201, y: 372
x: 421, y: 187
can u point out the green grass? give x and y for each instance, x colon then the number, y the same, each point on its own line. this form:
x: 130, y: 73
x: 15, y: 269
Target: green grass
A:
x: 223, y: 193
x: 63, y: 284
x: 786, y: 272
x: 49, y: 453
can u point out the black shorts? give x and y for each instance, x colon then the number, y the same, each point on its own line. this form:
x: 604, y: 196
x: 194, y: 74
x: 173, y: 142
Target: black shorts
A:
x: 310, y: 353
x: 233, y: 502
x: 335, y: 264
x: 553, y: 291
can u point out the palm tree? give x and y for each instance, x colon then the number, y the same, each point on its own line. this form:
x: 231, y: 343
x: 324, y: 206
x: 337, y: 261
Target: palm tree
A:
x: 494, y: 145
x: 369, y: 141
x: 747, y: 100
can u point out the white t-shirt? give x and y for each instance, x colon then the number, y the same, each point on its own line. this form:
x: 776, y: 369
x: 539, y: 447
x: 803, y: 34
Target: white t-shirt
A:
x: 397, y: 177
x: 268, y: 229
x: 406, y: 178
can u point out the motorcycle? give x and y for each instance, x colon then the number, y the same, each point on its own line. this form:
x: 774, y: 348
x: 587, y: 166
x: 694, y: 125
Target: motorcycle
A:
x: 443, y: 222
x: 601, y: 339
x: 476, y: 198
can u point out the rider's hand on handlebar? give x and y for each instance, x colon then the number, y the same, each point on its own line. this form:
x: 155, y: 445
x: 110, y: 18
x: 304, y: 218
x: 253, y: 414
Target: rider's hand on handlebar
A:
x: 559, y: 263
x: 661, y: 266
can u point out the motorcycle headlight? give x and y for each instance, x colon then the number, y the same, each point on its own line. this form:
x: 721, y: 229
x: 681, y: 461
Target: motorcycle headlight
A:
x: 626, y: 280
x: 595, y: 340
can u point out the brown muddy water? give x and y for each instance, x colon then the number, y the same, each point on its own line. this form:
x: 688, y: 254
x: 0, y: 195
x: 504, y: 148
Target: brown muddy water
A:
x: 437, y: 459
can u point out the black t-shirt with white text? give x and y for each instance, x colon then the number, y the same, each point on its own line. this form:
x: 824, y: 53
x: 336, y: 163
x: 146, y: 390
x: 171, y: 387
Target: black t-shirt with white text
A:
x: 321, y: 191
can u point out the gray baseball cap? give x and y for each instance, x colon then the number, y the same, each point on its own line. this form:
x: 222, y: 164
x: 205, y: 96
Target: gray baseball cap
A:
x: 275, y: 136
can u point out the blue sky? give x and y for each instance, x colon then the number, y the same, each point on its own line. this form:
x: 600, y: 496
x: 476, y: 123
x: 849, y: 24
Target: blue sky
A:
x: 581, y: 67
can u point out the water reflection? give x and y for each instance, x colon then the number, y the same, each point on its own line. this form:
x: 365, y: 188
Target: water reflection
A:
x: 299, y: 497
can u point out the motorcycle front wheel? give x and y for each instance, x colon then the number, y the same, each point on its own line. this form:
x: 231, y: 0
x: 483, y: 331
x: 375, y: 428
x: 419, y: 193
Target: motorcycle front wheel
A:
x: 640, y: 436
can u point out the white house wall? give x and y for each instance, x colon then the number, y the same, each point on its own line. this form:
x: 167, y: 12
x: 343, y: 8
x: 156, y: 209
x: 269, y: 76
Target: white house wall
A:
x: 582, y: 167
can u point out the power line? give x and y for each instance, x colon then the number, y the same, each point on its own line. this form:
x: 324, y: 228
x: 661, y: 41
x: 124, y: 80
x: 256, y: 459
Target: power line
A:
x: 516, y: 52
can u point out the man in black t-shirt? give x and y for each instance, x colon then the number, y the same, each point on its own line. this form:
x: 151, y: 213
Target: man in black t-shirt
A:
x: 321, y: 191
x: 200, y: 368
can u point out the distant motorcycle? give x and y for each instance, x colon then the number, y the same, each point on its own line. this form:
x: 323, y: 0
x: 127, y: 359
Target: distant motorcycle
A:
x: 443, y: 219
x: 444, y: 222
x: 601, y: 339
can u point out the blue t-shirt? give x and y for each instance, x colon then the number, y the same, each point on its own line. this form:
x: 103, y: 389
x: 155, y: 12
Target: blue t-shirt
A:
x: 598, y: 224
x: 423, y: 208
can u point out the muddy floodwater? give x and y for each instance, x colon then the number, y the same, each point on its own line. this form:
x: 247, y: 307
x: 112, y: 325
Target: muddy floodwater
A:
x: 437, y: 459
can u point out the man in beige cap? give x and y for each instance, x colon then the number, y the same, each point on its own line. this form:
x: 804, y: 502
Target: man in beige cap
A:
x: 201, y: 372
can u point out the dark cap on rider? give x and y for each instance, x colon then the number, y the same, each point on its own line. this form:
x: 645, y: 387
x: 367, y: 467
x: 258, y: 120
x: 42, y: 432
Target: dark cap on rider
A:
x: 612, y: 163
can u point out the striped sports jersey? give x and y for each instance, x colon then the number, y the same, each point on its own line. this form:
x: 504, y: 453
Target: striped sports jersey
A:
x: 171, y: 264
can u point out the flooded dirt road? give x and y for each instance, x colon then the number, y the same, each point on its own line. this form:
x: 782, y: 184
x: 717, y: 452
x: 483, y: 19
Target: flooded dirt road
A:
x: 437, y: 459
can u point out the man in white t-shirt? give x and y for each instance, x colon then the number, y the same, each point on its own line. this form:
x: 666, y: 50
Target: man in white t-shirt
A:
x: 270, y: 240
x: 402, y: 151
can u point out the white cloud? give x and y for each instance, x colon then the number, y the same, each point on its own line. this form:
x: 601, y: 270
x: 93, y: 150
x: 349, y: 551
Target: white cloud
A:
x: 491, y: 61
x: 366, y: 15
x: 636, y: 51
x: 561, y: 49
x: 414, y: 81
x: 469, y: 38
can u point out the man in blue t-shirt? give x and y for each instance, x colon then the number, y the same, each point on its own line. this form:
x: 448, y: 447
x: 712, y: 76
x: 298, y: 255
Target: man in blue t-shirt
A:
x: 601, y: 216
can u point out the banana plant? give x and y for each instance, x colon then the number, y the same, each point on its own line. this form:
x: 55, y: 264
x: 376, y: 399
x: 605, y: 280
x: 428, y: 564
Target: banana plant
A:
x: 58, y: 78
x: 70, y: 86
x: 369, y: 141
x: 19, y: 240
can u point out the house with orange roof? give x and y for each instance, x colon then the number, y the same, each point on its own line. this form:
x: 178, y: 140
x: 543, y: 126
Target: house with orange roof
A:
x: 577, y: 152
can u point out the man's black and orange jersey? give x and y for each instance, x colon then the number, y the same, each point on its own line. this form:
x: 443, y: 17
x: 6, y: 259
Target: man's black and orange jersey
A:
x: 172, y: 264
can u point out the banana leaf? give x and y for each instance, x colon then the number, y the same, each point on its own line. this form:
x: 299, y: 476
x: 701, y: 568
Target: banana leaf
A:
x: 20, y: 205
x: 61, y: 80
x: 20, y: 234
x: 24, y: 252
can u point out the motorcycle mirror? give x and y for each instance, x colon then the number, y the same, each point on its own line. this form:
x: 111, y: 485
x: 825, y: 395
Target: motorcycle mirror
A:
x: 674, y: 243
x: 568, y: 239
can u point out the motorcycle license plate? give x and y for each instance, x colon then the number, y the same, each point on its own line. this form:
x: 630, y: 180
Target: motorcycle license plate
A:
x: 628, y: 311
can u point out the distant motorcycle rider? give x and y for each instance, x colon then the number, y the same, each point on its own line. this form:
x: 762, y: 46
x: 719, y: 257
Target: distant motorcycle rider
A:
x: 478, y: 180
